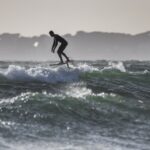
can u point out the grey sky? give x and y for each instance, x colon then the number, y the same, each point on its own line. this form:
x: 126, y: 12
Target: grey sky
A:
x: 35, y: 17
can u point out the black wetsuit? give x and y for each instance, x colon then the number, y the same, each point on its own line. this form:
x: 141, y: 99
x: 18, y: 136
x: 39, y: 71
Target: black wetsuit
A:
x: 61, y: 48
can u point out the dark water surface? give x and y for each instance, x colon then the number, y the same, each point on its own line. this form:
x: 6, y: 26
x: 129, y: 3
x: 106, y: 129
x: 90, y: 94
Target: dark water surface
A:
x: 95, y: 105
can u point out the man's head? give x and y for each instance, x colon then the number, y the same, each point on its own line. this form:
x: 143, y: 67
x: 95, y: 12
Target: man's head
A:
x: 51, y: 33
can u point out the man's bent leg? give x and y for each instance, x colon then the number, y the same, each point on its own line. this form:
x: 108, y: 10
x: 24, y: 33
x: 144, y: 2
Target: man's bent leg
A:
x: 62, y: 48
x: 59, y: 52
x: 67, y: 58
x: 60, y: 57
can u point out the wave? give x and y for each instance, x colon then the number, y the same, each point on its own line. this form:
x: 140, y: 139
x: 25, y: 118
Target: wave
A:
x: 46, y: 106
x: 115, y: 65
x: 53, y: 74
x: 103, y: 100
x: 72, y: 96
x: 79, y: 108
x: 70, y: 107
x: 45, y: 74
x: 81, y: 72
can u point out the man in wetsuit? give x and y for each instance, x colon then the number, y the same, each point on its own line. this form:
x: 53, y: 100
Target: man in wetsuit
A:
x: 63, y: 45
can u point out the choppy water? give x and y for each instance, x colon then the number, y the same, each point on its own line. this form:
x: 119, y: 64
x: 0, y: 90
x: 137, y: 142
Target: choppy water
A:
x: 96, y: 105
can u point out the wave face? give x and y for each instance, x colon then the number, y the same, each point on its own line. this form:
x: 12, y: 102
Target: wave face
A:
x: 93, y: 105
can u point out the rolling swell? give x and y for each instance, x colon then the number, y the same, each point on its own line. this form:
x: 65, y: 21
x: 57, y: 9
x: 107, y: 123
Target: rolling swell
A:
x: 59, y: 109
x: 129, y: 84
x: 36, y: 116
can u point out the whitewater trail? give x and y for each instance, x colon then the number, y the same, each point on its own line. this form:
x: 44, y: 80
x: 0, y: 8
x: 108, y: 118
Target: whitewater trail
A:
x: 54, y: 74
x: 46, y: 74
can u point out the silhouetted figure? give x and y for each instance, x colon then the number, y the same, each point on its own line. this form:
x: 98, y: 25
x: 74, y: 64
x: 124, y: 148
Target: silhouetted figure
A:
x: 63, y: 45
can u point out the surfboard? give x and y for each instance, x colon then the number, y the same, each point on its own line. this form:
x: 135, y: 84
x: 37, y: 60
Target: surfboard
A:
x: 59, y: 64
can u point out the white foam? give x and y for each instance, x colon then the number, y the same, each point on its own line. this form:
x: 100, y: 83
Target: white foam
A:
x: 115, y: 65
x: 46, y: 74
x: 74, y: 90
x: 23, y: 97
x: 145, y: 71
x: 78, y: 90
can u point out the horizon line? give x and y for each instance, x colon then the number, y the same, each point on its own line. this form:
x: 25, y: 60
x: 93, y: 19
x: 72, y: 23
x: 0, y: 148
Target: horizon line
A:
x: 125, y: 33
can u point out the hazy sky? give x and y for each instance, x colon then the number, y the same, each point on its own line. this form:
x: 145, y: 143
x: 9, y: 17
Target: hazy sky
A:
x: 35, y: 17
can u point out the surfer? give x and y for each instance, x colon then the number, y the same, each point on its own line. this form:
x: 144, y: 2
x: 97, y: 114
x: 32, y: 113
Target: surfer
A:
x: 64, y: 43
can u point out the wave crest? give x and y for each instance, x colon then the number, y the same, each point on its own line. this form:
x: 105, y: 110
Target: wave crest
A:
x: 45, y: 74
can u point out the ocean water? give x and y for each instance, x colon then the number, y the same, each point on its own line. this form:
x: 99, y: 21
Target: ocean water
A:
x: 94, y: 105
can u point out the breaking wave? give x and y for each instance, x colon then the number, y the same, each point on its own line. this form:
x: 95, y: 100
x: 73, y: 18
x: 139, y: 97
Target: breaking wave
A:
x: 53, y: 74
